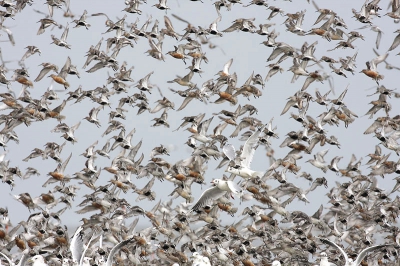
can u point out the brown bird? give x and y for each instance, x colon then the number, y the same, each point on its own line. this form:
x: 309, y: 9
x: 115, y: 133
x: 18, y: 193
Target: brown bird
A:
x: 61, y: 77
x: 372, y: 71
x: 58, y: 174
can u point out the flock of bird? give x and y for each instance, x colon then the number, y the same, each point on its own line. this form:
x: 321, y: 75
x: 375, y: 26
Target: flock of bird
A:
x: 242, y: 217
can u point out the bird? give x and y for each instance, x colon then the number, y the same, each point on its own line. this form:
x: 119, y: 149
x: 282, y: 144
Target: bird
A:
x: 45, y: 23
x: 246, y: 157
x: 360, y: 256
x: 199, y: 260
x: 61, y: 77
x: 324, y: 260
x: 251, y: 217
x: 219, y: 188
x: 371, y: 70
x: 47, y: 67
x: 37, y: 260
x: 77, y: 247
x: 63, y: 41
x: 21, y: 262
x: 82, y: 21
x: 276, y: 263
x: 58, y: 173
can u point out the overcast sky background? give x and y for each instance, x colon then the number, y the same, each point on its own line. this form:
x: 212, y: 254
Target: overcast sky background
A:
x: 248, y: 56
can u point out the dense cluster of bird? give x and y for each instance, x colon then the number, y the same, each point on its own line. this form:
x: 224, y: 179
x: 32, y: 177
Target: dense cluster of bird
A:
x: 358, y: 225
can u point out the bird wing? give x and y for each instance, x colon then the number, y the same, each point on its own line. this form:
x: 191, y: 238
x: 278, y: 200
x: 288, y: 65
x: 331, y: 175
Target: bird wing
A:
x: 64, y: 36
x: 233, y: 187
x: 157, y: 108
x: 207, y: 197
x: 42, y: 73
x: 320, y: 155
x: 76, y: 245
x: 233, y: 27
x: 115, y: 249
x: 328, y: 23
x: 168, y: 24
x: 64, y: 70
x: 248, y: 151
x: 7, y: 258
x: 318, y: 213
x: 23, y: 260
x: 248, y: 81
x: 395, y: 43
x: 203, y: 127
x: 11, y: 37
x: 242, y: 124
x: 64, y: 164
x: 149, y: 185
x: 227, y: 66
x: 229, y: 151
x: 148, y: 76
x: 363, y: 253
x: 332, y: 244
x: 378, y: 39
x: 377, y: 60
x: 188, y: 77
x: 185, y: 103
x: 199, y: 118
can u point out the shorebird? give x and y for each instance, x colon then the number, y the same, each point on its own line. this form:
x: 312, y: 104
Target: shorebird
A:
x: 63, y: 41
x: 82, y: 21
x: 212, y: 29
x: 372, y: 71
x: 45, y: 23
x: 200, y: 133
x: 58, y: 173
x: 185, y: 81
x: 61, y: 77
x: 144, y: 85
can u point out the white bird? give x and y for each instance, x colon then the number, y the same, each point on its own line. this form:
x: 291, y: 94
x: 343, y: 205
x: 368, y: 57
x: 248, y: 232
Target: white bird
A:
x: 220, y: 187
x: 199, y: 260
x: 77, y: 248
x: 360, y: 257
x: 276, y: 263
x: 246, y: 157
x: 324, y: 260
x: 37, y: 260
